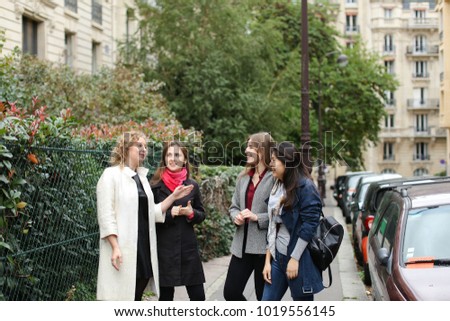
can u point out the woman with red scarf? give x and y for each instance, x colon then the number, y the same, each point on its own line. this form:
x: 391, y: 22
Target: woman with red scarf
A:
x: 178, y: 256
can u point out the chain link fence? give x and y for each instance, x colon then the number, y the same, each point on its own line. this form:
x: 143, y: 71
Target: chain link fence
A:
x: 54, y: 239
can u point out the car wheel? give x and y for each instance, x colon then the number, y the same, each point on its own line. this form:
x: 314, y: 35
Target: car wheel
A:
x: 367, y: 280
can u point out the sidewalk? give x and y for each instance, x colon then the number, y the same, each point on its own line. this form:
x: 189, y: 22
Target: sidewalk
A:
x: 346, y: 286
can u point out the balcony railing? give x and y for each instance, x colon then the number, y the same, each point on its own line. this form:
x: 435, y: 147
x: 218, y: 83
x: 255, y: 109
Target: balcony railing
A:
x: 423, y: 23
x: 421, y: 75
x: 422, y: 50
x: 72, y: 5
x: 422, y: 103
x: 96, y: 12
x: 351, y: 30
x: 421, y: 157
x: 388, y: 157
x: 388, y: 50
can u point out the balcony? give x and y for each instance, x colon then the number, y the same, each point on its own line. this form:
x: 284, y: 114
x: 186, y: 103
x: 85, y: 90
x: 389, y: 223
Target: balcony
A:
x: 389, y: 103
x: 388, y: 50
x: 421, y: 51
x: 351, y: 30
x: 423, y: 23
x: 418, y: 104
x: 96, y: 12
x: 421, y: 157
x: 421, y: 76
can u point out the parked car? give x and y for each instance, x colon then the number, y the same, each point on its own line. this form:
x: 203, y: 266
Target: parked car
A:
x: 351, y: 180
x: 338, y: 189
x: 356, y: 208
x: 408, y: 252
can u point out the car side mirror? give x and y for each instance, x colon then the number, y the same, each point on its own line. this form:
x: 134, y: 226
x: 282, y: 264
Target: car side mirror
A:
x: 383, y: 256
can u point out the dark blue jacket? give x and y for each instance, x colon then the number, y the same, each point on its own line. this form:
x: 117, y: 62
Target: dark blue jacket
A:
x: 302, y: 220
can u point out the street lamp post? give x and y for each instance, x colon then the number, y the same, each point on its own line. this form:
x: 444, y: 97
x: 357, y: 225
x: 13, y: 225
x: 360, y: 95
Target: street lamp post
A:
x: 342, y: 61
x: 305, y: 137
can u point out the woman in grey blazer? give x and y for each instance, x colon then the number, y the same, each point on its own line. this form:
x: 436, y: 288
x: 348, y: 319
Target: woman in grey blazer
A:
x: 248, y: 211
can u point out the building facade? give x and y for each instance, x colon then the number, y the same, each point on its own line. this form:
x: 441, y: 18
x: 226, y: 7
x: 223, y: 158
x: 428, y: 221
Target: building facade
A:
x: 443, y: 9
x: 406, y: 35
x: 80, y: 33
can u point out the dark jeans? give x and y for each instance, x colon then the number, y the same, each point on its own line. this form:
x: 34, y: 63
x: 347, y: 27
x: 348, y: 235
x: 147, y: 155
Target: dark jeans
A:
x: 196, y: 292
x: 280, y: 282
x: 239, y: 272
x: 140, y: 287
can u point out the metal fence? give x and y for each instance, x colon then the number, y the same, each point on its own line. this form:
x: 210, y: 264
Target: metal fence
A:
x: 54, y: 241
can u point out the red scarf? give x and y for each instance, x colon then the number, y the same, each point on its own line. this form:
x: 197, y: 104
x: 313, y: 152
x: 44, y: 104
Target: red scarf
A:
x: 173, y: 179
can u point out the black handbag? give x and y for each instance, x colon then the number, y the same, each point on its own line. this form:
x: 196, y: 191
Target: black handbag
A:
x: 324, y: 246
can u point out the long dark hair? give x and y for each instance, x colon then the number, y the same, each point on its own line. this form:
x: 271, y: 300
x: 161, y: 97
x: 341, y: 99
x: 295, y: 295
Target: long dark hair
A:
x: 162, y: 166
x: 295, y: 169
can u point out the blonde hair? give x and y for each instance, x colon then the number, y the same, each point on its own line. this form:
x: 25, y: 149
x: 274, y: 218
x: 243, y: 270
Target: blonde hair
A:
x: 120, y: 151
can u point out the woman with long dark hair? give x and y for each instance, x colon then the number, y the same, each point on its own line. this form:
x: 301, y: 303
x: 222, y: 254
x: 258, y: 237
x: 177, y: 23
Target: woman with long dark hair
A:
x: 295, y: 207
x: 178, y: 255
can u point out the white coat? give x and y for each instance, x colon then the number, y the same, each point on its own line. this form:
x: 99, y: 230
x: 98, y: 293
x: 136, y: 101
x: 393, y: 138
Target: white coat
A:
x: 117, y: 211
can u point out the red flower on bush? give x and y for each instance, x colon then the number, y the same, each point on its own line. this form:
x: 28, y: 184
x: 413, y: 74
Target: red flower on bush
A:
x: 32, y: 158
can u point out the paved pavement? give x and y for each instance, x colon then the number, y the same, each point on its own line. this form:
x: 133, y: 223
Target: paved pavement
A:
x: 347, y: 285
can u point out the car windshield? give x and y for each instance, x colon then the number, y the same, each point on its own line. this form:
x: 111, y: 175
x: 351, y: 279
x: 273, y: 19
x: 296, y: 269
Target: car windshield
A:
x: 427, y: 234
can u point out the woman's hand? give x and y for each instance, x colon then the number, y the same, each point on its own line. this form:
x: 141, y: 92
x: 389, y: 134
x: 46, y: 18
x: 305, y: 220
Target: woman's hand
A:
x: 182, y: 191
x: 247, y: 214
x: 267, y: 272
x: 116, y: 258
x: 292, y: 269
x: 187, y: 210
x: 175, y: 211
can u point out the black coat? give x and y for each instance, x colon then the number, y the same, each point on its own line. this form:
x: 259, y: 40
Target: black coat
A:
x: 178, y: 255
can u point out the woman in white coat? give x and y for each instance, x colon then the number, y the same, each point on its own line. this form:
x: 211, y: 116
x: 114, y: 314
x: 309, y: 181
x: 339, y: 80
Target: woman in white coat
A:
x: 126, y: 215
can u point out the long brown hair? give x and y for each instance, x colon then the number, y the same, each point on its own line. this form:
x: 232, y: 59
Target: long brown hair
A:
x: 162, y: 166
x: 263, y: 142
x: 295, y: 169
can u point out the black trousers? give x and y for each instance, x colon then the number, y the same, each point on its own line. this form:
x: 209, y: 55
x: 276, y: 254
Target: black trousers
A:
x: 239, y: 271
x: 196, y: 292
x: 140, y: 287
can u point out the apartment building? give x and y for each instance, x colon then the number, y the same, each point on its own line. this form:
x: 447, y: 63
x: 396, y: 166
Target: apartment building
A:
x: 443, y: 9
x: 406, y: 35
x: 80, y: 33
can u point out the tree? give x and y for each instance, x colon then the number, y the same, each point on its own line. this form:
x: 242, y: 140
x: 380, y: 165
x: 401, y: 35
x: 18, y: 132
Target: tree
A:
x: 231, y: 68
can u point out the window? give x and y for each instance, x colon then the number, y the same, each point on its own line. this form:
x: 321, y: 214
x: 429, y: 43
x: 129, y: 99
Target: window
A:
x: 388, y: 151
x: 30, y: 36
x: 420, y: 69
x: 422, y: 123
x: 95, y: 56
x: 420, y: 43
x: 389, y: 65
x: 420, y: 172
x: 421, y: 152
x: 419, y: 15
x: 385, y: 231
x: 97, y: 11
x: 420, y: 95
x: 72, y: 5
x: 388, y: 171
x: 390, y: 100
x: 351, y: 23
x: 388, y: 43
x: 69, y: 39
x: 389, y: 121
x: 387, y: 13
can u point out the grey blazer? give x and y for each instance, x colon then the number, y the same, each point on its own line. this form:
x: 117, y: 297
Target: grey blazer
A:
x: 257, y: 231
